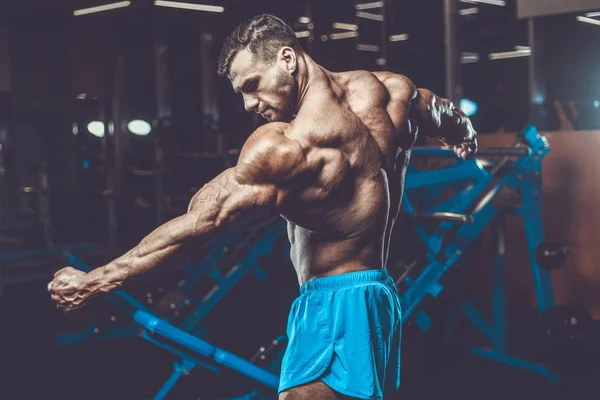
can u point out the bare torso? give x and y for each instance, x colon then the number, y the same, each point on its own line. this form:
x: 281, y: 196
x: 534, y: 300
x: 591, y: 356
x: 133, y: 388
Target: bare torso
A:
x: 335, y: 173
x: 342, y: 220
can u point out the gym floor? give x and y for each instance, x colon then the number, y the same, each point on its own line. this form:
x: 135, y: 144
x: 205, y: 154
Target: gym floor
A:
x: 32, y: 367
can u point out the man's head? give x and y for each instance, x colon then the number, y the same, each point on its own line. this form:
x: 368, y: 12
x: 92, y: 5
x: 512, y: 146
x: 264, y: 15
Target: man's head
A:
x: 260, y: 57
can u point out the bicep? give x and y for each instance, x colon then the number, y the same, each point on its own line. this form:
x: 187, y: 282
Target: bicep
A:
x: 226, y: 204
x: 254, y: 192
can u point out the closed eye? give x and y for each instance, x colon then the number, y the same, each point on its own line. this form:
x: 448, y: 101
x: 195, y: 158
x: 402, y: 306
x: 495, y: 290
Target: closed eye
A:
x: 250, y: 86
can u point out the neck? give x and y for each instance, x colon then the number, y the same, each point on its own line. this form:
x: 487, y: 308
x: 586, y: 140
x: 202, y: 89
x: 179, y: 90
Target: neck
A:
x: 307, y: 71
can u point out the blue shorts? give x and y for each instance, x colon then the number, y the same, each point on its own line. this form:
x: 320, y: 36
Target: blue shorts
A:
x: 345, y: 330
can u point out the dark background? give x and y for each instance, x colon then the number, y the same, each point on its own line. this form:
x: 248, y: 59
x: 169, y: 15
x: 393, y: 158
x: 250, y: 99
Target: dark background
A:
x: 49, y: 59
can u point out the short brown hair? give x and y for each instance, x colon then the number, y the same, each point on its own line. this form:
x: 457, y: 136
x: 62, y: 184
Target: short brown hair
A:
x: 263, y: 35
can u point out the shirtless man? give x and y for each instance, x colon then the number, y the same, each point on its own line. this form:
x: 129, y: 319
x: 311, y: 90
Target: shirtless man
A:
x: 331, y: 162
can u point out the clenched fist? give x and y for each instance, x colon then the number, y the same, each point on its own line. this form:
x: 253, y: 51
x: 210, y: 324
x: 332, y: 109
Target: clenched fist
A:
x: 464, y: 150
x: 68, y: 288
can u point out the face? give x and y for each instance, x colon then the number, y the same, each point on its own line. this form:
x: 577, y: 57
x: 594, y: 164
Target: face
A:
x: 269, y: 89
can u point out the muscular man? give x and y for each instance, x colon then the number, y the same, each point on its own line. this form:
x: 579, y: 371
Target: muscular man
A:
x: 331, y: 162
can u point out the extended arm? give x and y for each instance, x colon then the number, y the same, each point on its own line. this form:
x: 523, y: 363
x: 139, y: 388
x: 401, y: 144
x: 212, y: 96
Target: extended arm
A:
x: 247, y: 196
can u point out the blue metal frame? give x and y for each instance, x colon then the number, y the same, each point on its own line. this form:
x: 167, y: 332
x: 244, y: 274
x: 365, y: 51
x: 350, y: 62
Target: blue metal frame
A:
x: 226, y: 283
x: 191, y: 326
x: 38, y: 253
x: 443, y: 251
x: 475, y: 188
x: 212, y: 353
x: 194, y: 274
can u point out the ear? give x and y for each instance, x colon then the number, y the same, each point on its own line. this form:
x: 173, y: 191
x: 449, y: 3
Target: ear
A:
x: 287, y: 58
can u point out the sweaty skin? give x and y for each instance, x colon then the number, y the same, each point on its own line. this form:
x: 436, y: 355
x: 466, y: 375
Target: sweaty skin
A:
x: 332, y: 163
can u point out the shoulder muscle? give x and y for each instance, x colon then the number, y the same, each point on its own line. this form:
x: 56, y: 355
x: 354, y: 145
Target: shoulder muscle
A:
x: 402, y: 93
x: 398, y: 86
x: 269, y: 157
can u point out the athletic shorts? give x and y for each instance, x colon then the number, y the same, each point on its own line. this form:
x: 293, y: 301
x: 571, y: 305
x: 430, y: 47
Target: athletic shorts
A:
x: 345, y: 330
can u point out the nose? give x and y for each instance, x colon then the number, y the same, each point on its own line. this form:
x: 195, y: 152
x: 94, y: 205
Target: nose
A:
x: 250, y: 102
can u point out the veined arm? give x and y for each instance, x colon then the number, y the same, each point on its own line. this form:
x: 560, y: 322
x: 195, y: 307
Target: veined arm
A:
x: 247, y: 196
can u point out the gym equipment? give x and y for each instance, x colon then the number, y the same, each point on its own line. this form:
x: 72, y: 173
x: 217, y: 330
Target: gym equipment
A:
x: 447, y: 228
x: 192, y: 310
x: 569, y: 339
x: 551, y: 255
x: 191, y: 324
x: 179, y: 301
x: 157, y: 326
x: 447, y: 240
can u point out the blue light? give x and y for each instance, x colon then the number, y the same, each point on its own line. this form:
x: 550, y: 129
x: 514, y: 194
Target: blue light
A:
x: 539, y: 99
x: 596, y: 103
x: 468, y: 107
x: 86, y: 163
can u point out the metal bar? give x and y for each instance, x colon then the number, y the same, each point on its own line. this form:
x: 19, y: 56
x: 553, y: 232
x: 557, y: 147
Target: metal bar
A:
x: 260, y: 248
x: 90, y: 332
x: 474, y: 208
x: 446, y: 216
x: 163, y: 109
x: 43, y: 252
x: 464, y: 236
x: 537, y: 75
x: 452, y: 51
x: 499, y: 287
x: 477, y: 320
x: 206, y: 349
x: 178, y: 371
x: 532, y: 216
x: 75, y: 338
x: 112, y: 174
x: 485, y: 152
x: 408, y: 207
x: 464, y: 204
x: 154, y: 340
x: 515, y: 362
x: 450, y: 240
x: 168, y: 385
x: 465, y: 171
x: 216, y: 255
x: 387, y: 22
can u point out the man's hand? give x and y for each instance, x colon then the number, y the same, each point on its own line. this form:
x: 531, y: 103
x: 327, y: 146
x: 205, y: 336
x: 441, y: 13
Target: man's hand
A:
x: 68, y: 289
x: 244, y: 197
x: 463, y: 150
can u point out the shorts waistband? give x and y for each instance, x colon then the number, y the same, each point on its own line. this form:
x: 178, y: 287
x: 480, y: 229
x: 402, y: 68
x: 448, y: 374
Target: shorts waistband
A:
x: 346, y: 280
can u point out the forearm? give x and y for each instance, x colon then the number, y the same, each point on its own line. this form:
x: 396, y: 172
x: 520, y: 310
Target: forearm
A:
x: 221, y: 206
x: 168, y: 245
x: 165, y: 247
x: 441, y: 119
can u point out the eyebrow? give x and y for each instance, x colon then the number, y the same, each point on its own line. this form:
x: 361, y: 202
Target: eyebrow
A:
x: 245, y: 83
